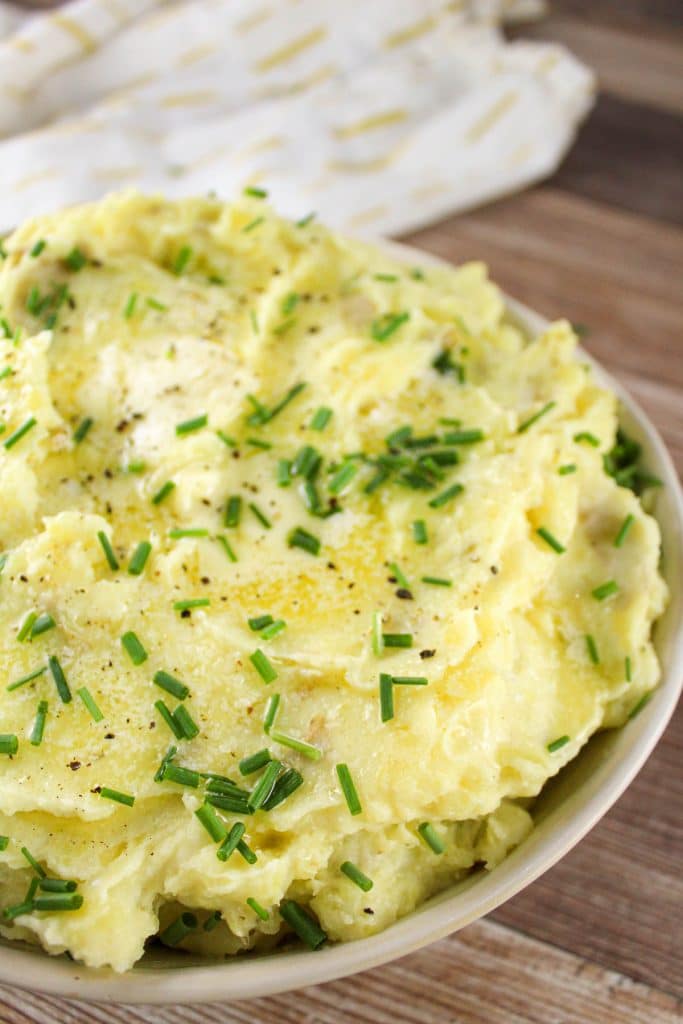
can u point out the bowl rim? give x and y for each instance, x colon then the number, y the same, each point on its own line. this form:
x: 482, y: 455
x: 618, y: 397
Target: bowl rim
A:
x: 246, y: 978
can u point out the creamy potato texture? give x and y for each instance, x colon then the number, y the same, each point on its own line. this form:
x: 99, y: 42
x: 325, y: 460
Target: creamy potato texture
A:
x: 450, y: 499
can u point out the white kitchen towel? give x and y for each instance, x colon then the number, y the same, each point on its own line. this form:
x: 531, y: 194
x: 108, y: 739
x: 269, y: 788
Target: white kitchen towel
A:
x: 380, y: 115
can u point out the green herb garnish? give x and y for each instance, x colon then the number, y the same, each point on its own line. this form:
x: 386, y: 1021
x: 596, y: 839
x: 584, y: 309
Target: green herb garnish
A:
x: 163, y: 492
x: 550, y: 540
x: 108, y: 550
x: 442, y: 499
x: 306, y: 749
x: 139, y: 559
x: 431, y: 837
x: 348, y: 789
x: 300, y: 538
x: 605, y: 590
x: 592, y: 649
x: 133, y: 648
x: 191, y: 602
x: 171, y: 685
x: 117, y: 796
x: 384, y: 326
x: 623, y: 530
x: 20, y: 432
x: 321, y: 418
x: 356, y: 875
x: 189, y: 426
x: 557, y: 744
x: 308, y: 930
x: 524, y: 426
x: 90, y: 704
x: 83, y: 429
x: 263, y: 666
x: 59, y: 679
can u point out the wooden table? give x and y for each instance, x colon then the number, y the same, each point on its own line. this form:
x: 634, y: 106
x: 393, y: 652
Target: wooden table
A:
x: 600, y: 937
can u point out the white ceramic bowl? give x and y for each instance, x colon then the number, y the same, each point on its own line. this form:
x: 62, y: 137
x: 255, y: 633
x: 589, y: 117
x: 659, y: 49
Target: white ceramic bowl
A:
x: 565, y: 811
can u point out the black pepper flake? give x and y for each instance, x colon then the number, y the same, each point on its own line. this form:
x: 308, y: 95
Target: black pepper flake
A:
x: 427, y: 654
x: 494, y: 570
x: 404, y: 594
x: 74, y: 765
x: 185, y: 613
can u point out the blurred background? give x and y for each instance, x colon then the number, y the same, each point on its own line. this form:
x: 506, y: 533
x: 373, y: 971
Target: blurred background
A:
x: 545, y: 139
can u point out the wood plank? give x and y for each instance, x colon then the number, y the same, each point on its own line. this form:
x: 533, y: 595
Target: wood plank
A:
x: 643, y: 67
x: 606, y: 165
x: 651, y: 15
x: 486, y: 974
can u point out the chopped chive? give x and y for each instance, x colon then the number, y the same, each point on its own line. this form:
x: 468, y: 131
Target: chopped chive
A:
x: 257, y: 193
x: 605, y: 590
x: 165, y: 761
x: 557, y: 744
x: 254, y: 762
x: 37, y: 248
x: 193, y: 531
x: 129, y: 308
x: 231, y: 841
x: 587, y: 438
x: 253, y: 224
x: 7, y: 372
x: 342, y: 477
x: 284, y: 473
x: 163, y: 492
x: 43, y: 623
x: 190, y: 603
x: 6, y: 329
x: 270, y: 714
x: 308, y: 930
x: 26, y: 627
x: 262, y: 518
x: 627, y: 669
x: 623, y: 530
x: 257, y: 442
x: 400, y: 578
x: 398, y: 437
x: 228, y: 441
x: 139, y: 559
x: 287, y: 784
x: 389, y: 278
x: 259, y: 622
x: 171, y: 685
x: 82, y: 429
x: 444, y: 364
x: 26, y: 907
x: 233, y: 511
x: 9, y: 744
x: 300, y: 538
x: 117, y: 796
x: 348, y: 789
x: 567, y: 469
x: 189, y: 426
x: 186, y: 722
x: 305, y: 221
x: 524, y: 426
x: 306, y: 462
x: 133, y: 648
x: 420, y: 535
x: 356, y: 876
x: 638, y: 707
x: 76, y: 259
x: 263, y: 415
x: 108, y: 550
x: 263, y: 666
x: 386, y: 697
x: 27, y: 679
x: 90, y: 704
x: 284, y: 326
x: 136, y: 466
x: 376, y: 481
x: 397, y: 639
x: 451, y: 492
x: 289, y: 303
x: 155, y: 304
x: 232, y: 801
x: 437, y: 581
x: 4, y: 843
x: 28, y: 856
x: 59, y: 678
x: 377, y: 634
x: 306, y: 749
x: 321, y: 418
x: 171, y: 722
x: 36, y: 737
x: 384, y: 326
x: 409, y: 681
x: 431, y: 837
x: 225, y: 544
x: 551, y: 541
x: 274, y: 629
x: 246, y: 852
x: 212, y: 921
x: 20, y: 432
x: 179, y: 929
x: 592, y: 649
x: 257, y: 908
x: 264, y: 786
x: 463, y: 436
x: 182, y: 259
x: 57, y: 885
x: 181, y: 776
x: 211, y: 822
x: 57, y: 901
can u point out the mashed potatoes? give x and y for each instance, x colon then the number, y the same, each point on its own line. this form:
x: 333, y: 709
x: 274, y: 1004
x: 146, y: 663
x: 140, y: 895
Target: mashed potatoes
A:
x: 263, y: 488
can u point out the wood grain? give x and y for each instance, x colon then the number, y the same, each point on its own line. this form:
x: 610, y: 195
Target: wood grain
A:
x: 598, y: 939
